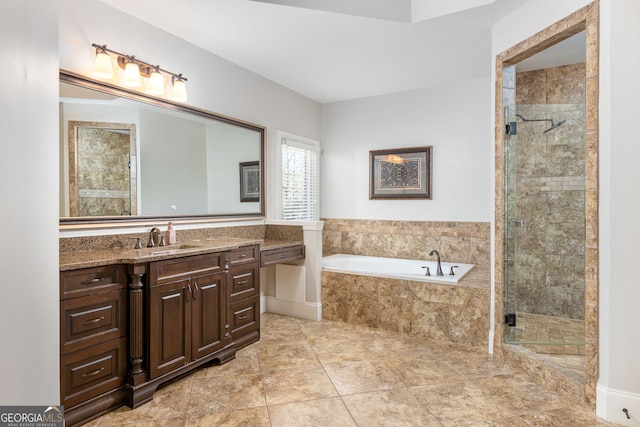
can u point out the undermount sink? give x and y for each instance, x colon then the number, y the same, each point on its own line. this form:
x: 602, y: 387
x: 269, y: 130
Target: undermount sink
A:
x: 169, y: 249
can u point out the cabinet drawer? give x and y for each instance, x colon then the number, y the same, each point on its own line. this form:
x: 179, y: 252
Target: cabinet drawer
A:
x: 244, y: 316
x: 76, y: 283
x: 245, y: 282
x: 92, y: 320
x: 276, y: 256
x: 172, y: 269
x: 89, y: 373
x: 245, y: 255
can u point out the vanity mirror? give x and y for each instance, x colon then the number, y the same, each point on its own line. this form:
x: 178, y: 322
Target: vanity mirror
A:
x: 126, y: 156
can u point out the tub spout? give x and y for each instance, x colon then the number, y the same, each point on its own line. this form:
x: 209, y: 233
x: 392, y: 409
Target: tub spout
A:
x: 439, y: 266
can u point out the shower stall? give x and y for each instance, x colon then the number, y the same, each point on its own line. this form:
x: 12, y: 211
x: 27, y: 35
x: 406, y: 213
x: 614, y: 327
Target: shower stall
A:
x: 544, y: 212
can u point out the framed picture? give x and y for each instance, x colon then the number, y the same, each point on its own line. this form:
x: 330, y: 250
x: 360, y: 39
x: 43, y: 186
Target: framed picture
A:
x: 400, y: 173
x: 250, y: 181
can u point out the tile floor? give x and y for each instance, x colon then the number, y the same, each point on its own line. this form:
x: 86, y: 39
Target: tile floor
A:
x: 305, y: 373
x: 554, y: 339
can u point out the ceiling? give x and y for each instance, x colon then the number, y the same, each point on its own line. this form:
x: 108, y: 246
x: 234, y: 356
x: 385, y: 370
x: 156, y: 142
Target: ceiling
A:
x: 335, y: 50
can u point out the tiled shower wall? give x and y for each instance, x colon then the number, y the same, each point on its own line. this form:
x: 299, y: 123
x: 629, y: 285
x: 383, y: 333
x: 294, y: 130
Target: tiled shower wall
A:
x: 465, y: 242
x: 545, y: 195
x: 103, y: 173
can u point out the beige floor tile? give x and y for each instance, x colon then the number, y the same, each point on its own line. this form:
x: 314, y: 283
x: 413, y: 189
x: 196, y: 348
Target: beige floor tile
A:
x: 568, y: 416
x: 313, y: 413
x: 297, y: 385
x: 398, y: 407
x: 225, y: 394
x: 472, y: 366
x: 360, y: 377
x: 305, y: 373
x: 246, y: 362
x: 500, y: 422
x: 420, y: 369
x: 170, y: 402
x: 174, y: 422
x: 255, y: 417
x: 277, y: 355
x: 461, y: 401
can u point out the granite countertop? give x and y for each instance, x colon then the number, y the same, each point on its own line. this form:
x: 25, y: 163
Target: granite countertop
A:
x: 95, y: 258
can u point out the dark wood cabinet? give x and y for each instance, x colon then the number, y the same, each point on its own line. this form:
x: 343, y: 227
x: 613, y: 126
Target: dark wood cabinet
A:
x: 281, y: 255
x: 187, y: 311
x: 126, y: 329
x: 244, y: 295
x: 170, y: 327
x: 93, y: 344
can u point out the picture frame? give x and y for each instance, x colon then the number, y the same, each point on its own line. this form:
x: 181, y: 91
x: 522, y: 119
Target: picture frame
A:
x: 400, y: 173
x: 250, y: 181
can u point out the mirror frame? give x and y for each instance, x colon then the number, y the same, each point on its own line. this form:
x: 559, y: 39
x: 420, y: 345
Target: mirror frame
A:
x: 88, y: 83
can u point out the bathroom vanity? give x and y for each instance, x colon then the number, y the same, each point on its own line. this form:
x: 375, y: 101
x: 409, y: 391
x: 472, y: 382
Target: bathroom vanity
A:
x: 133, y: 319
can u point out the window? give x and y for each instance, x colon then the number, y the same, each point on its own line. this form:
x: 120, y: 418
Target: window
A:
x: 300, y: 180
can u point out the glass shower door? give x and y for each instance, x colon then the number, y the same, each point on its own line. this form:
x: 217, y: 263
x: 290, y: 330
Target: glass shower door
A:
x: 544, y: 222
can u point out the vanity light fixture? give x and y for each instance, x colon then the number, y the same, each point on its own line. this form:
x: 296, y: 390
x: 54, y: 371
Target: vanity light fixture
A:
x: 102, y: 67
x: 131, y: 73
x: 179, y: 89
x: 156, y: 83
x: 134, y: 72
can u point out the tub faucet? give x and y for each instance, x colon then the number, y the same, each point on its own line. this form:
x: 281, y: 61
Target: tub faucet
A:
x: 439, y: 266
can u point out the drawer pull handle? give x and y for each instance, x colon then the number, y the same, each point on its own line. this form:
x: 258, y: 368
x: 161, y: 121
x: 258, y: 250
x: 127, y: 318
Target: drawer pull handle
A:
x: 243, y: 282
x: 243, y: 255
x: 283, y: 255
x: 244, y: 316
x: 92, y: 321
x: 96, y: 280
x: 92, y: 373
x: 195, y: 290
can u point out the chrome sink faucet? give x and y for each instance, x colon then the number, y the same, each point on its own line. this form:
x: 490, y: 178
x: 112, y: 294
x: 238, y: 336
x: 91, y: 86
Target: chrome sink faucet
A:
x: 439, y: 266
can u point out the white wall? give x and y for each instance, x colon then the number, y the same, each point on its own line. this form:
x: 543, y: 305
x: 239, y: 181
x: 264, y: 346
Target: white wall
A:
x: 29, y: 306
x: 453, y: 119
x: 173, y: 165
x: 619, y: 234
x: 223, y: 166
x: 619, y: 382
x: 213, y: 84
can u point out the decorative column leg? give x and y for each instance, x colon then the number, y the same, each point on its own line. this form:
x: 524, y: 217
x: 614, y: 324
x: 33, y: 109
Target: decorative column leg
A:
x: 136, y: 373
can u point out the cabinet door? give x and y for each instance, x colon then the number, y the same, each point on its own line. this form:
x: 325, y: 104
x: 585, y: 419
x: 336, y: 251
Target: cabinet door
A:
x: 208, y: 319
x: 169, y: 326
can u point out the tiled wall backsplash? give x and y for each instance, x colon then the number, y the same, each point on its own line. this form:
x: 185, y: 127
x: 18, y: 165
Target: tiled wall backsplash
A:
x: 465, y: 242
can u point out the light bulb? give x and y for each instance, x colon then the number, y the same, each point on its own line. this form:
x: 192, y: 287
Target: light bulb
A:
x: 179, y: 91
x: 102, y: 67
x: 156, y: 83
x: 132, y: 75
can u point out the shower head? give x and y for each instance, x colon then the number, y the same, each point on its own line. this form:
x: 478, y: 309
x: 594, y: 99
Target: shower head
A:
x: 554, y: 125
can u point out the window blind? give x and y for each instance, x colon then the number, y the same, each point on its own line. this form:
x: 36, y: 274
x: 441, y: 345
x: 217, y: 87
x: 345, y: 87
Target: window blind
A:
x: 300, y: 180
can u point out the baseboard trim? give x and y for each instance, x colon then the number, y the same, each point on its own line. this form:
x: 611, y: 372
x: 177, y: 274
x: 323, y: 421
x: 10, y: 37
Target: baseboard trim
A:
x: 610, y: 402
x: 309, y: 311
